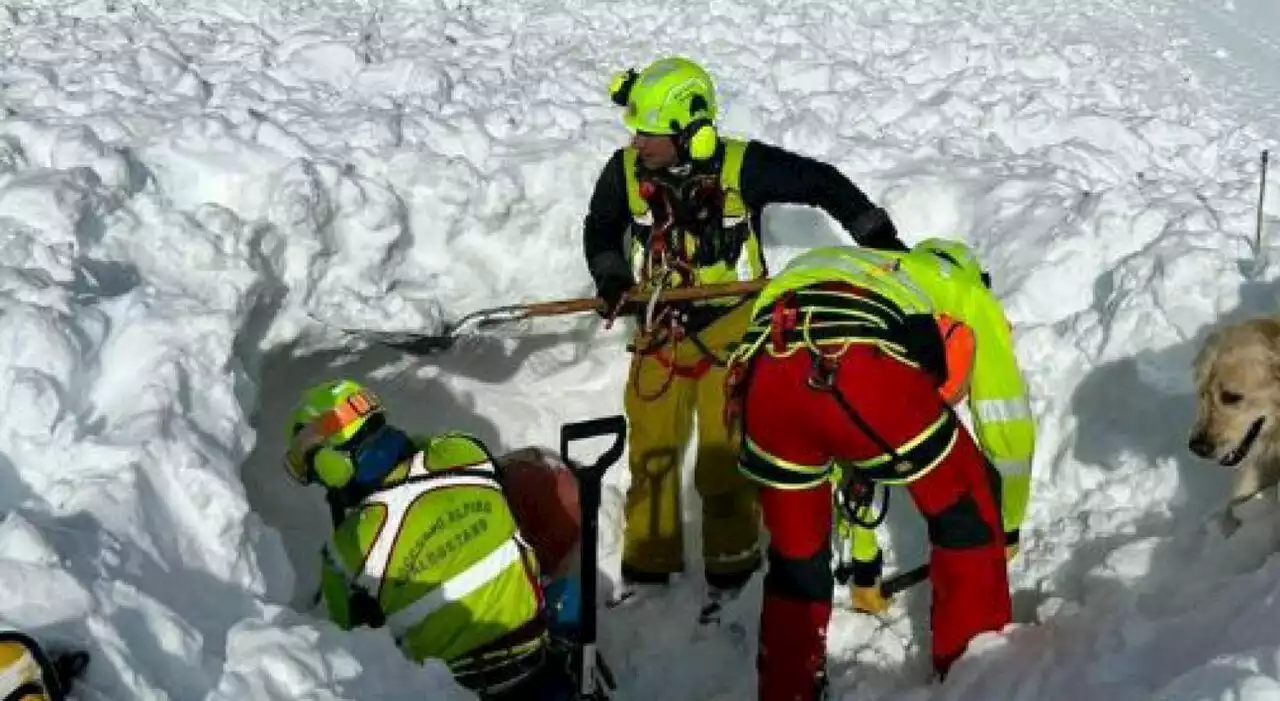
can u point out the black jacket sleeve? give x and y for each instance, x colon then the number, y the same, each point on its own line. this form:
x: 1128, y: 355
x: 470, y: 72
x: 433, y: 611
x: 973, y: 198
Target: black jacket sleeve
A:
x: 774, y: 175
x: 605, y: 226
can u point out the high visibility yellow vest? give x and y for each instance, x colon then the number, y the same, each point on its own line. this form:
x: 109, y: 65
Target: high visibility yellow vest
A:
x: 441, y: 554
x: 735, y: 221
x: 921, y: 283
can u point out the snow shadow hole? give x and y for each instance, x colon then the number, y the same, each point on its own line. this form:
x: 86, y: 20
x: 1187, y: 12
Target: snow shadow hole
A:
x: 416, y: 403
x: 13, y: 491
x: 209, y: 605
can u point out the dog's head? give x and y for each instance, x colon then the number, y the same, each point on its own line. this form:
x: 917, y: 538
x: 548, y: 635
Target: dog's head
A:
x: 1237, y: 374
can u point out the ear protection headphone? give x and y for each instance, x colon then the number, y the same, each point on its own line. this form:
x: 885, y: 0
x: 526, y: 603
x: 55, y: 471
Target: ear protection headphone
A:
x: 378, y: 448
x: 696, y: 140
x: 331, y: 467
x: 375, y: 449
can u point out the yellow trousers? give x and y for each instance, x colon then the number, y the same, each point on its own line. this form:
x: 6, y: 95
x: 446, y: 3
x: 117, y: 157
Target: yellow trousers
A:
x: 660, y: 429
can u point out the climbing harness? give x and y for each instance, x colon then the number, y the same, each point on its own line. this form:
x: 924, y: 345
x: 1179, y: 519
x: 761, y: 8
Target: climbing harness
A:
x: 853, y: 498
x: 822, y: 378
x: 668, y: 266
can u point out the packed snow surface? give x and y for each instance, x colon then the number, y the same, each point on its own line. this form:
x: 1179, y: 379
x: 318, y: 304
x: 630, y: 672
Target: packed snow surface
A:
x: 195, y: 197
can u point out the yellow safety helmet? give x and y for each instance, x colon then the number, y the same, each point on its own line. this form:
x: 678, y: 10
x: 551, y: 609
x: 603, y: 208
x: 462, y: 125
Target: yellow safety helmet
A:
x: 674, y: 97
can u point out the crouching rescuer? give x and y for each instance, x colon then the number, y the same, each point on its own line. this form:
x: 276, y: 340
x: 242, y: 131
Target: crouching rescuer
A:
x: 427, y: 545
x: 843, y: 361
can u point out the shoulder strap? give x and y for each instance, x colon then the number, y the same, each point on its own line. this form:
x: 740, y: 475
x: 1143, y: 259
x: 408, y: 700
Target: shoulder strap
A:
x: 731, y: 170
x: 637, y: 205
x: 731, y: 177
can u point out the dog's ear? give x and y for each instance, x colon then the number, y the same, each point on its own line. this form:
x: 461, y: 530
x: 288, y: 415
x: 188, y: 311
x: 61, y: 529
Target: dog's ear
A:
x: 1273, y: 361
x: 1202, y: 364
x: 1269, y: 331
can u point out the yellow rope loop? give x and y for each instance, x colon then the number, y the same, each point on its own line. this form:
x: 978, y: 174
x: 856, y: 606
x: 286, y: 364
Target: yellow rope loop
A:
x: 662, y: 389
x: 814, y: 347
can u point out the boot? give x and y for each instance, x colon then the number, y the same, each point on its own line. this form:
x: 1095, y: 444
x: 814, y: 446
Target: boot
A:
x: 793, y: 646
x: 869, y: 599
x: 722, y: 589
x: 866, y: 594
x: 638, y: 586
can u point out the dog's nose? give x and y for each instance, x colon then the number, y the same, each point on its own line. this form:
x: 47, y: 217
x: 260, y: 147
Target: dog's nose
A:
x: 1200, y: 445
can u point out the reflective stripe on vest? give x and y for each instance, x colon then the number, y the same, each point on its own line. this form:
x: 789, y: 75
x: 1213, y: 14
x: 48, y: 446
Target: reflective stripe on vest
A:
x: 398, y: 500
x: 1012, y: 467
x: 457, y: 587
x: 861, y: 267
x: 993, y: 410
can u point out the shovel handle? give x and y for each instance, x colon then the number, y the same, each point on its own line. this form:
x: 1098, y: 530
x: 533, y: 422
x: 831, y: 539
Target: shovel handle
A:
x: 609, y: 425
x: 904, y: 580
x: 633, y: 296
x: 589, y: 479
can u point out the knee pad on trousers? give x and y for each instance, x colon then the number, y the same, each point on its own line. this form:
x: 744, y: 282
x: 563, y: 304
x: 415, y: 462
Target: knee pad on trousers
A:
x: 808, y: 579
x: 960, y: 526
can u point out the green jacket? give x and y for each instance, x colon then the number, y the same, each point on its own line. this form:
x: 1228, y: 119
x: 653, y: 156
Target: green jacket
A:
x: 921, y: 283
x: 439, y: 552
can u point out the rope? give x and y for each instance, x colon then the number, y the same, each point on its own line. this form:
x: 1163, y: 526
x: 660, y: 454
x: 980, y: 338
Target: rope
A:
x: 661, y: 265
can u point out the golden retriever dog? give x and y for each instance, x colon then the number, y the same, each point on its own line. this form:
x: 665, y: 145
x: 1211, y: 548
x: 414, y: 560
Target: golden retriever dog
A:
x: 1237, y: 376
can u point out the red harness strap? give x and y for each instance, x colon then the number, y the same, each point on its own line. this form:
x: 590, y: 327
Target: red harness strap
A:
x: 664, y: 354
x: 694, y: 371
x: 782, y: 319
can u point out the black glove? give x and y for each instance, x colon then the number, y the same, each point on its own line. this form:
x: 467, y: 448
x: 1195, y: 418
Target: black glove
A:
x: 611, y: 289
x: 865, y: 594
x: 874, y: 229
x: 1011, y: 543
x: 613, y: 279
x: 867, y: 574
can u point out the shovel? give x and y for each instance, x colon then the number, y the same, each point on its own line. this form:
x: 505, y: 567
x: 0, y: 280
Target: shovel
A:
x: 593, y: 675
x: 428, y: 344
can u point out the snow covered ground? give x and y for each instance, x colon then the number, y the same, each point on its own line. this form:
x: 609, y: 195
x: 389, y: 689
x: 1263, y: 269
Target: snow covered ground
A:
x: 182, y: 189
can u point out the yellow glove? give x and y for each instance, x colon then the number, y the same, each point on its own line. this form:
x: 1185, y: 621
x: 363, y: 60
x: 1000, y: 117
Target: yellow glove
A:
x: 869, y: 599
x: 865, y: 592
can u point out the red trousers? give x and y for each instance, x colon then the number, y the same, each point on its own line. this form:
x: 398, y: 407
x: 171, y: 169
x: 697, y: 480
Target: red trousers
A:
x: 798, y: 428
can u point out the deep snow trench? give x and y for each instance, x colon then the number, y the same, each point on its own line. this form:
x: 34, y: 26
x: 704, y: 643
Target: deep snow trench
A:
x: 185, y: 190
